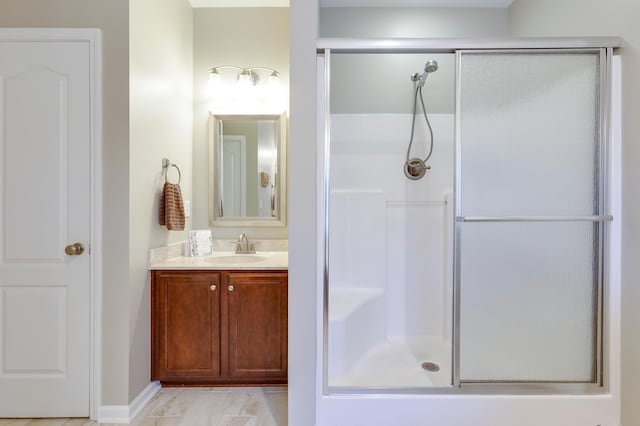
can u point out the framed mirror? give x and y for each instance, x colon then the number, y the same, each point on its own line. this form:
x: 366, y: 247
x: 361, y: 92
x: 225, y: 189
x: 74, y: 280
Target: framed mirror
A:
x: 247, y: 170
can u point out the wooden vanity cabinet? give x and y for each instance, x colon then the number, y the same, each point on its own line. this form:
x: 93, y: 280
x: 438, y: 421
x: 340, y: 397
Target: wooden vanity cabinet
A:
x: 219, y: 327
x: 255, y: 325
x: 185, y: 321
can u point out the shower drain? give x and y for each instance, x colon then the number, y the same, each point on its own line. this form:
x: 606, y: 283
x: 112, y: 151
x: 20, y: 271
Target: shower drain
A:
x: 430, y: 366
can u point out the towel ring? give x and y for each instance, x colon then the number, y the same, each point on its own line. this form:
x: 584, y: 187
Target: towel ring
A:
x: 166, y: 172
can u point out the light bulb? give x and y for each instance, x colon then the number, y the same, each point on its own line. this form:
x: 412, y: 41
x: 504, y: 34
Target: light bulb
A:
x: 244, y: 80
x: 274, y: 79
x: 213, y: 83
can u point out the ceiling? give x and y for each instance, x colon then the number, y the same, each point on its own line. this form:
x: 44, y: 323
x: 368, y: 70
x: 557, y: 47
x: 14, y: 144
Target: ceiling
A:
x: 356, y: 3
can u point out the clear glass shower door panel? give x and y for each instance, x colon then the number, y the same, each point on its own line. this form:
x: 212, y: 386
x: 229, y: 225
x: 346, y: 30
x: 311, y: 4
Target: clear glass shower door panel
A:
x: 528, y: 232
x: 388, y: 285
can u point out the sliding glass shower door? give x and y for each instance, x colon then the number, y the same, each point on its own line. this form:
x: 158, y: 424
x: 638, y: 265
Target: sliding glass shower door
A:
x: 530, y: 216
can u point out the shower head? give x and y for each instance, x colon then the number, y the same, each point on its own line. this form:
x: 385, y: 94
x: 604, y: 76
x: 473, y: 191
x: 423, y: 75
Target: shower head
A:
x: 431, y: 66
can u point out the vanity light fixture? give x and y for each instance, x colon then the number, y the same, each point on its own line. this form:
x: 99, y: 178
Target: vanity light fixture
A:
x: 246, y: 77
x: 231, y: 87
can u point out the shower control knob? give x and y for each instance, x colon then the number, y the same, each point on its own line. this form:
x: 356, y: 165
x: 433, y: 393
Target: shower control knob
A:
x: 415, y: 168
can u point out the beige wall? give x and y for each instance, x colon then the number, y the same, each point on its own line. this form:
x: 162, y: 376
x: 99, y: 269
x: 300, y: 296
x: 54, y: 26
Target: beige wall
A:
x: 112, y: 17
x: 608, y: 18
x: 161, y: 120
x: 394, y: 22
x: 232, y: 36
x: 161, y: 126
x: 161, y: 57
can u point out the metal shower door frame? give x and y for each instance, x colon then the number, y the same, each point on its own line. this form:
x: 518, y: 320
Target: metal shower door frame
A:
x: 600, y: 272
x: 327, y: 47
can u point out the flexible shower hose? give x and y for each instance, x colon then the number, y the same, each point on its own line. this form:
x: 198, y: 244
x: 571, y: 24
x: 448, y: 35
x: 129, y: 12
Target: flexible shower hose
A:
x: 413, y: 124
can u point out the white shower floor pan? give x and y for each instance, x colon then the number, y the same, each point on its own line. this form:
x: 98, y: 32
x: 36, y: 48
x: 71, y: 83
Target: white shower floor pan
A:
x: 398, y: 364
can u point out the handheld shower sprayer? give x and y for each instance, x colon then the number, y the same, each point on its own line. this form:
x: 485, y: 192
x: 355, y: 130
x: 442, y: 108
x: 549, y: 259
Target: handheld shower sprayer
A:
x: 429, y: 67
x: 415, y: 168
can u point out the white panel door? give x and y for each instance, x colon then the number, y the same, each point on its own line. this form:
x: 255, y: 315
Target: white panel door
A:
x: 44, y: 206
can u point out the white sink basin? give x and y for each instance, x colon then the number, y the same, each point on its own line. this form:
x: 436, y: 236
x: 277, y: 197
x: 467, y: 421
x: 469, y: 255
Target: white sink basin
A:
x: 239, y: 259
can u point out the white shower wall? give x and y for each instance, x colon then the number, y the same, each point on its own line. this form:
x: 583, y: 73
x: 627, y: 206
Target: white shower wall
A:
x: 410, y: 240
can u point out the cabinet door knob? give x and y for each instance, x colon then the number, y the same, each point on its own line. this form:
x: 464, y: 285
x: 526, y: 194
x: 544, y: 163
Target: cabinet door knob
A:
x: 230, y: 288
x: 213, y: 287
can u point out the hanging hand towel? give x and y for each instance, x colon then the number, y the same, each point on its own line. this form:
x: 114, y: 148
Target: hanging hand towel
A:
x: 172, y: 207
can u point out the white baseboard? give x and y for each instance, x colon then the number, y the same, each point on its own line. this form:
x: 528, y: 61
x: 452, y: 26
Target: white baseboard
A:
x: 143, y: 399
x: 113, y: 414
x: 124, y: 414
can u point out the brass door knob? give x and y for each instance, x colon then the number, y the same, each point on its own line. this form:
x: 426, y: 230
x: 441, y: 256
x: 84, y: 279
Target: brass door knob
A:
x: 75, y: 249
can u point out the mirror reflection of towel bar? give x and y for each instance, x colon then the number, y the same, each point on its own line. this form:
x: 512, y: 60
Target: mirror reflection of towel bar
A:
x: 165, y: 166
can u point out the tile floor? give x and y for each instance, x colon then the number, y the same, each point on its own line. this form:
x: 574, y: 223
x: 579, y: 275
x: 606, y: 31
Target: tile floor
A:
x: 239, y: 406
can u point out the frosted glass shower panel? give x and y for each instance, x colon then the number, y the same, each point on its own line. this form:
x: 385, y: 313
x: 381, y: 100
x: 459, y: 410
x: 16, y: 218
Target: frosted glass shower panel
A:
x: 529, y: 219
x: 527, y: 302
x: 530, y: 131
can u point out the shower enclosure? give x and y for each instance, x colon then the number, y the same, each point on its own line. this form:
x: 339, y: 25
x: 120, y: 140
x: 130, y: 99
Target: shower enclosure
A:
x: 490, y: 273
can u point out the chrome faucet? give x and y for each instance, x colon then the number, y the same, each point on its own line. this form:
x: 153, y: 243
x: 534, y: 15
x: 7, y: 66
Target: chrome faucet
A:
x: 243, y: 246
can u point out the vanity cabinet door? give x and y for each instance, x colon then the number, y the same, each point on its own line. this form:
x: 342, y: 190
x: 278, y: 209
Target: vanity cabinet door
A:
x: 254, y: 312
x: 186, y: 326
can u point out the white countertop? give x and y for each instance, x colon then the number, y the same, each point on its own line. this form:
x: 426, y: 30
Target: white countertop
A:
x: 262, y: 260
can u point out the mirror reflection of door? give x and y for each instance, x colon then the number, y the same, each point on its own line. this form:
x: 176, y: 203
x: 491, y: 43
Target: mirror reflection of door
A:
x: 267, y: 167
x: 234, y: 183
